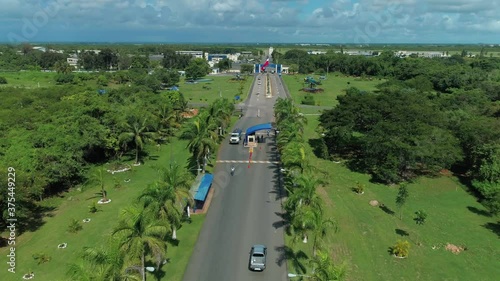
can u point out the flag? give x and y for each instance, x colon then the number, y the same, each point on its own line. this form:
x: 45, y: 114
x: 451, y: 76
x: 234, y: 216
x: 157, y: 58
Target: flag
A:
x: 263, y: 68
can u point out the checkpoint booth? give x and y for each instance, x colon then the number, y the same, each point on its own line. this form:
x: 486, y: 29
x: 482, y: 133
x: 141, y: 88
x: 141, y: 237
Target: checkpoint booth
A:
x: 251, y: 138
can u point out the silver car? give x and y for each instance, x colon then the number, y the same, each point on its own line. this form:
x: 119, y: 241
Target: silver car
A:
x: 258, y: 258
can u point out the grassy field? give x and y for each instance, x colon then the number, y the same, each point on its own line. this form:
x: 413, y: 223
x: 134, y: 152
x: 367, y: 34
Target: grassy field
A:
x: 75, y: 205
x: 207, y: 92
x: 367, y: 232
x: 333, y: 86
x: 28, y: 79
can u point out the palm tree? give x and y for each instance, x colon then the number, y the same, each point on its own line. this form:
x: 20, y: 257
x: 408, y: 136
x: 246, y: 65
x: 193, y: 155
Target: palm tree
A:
x: 304, y: 193
x: 294, y: 157
x: 100, y: 264
x: 319, y: 228
x: 301, y: 222
x: 323, y: 268
x: 139, y: 131
x: 160, y: 200
x: 63, y: 67
x: 219, y: 112
x: 98, y: 177
x: 166, y: 196
x: 140, y: 233
x: 202, y: 137
x: 180, y: 179
x: 167, y: 120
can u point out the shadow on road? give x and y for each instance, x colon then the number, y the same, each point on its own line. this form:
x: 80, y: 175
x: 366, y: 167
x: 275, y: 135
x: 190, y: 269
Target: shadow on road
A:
x: 285, y: 219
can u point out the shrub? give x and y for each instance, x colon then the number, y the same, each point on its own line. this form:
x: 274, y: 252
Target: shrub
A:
x: 41, y: 258
x: 75, y: 226
x: 93, y: 208
x: 401, y: 249
x: 359, y: 188
x: 62, y: 78
x: 3, y: 80
x: 102, y: 80
x: 308, y: 100
x: 116, y: 183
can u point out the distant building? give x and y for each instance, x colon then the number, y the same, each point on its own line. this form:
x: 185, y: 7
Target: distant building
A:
x: 361, y: 53
x: 195, y: 54
x: 155, y: 57
x: 90, y: 51
x: 316, y: 52
x: 422, y: 54
x: 73, y: 61
x: 214, y: 59
x: 43, y: 49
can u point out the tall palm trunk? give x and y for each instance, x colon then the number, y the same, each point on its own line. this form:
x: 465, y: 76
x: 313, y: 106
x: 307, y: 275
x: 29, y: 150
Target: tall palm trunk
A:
x: 174, y: 233
x: 137, y: 155
x: 143, y: 267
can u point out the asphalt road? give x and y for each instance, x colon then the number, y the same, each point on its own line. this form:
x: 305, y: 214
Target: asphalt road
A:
x: 246, y: 207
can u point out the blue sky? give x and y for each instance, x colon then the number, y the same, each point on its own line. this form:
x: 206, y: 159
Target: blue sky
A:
x: 252, y: 21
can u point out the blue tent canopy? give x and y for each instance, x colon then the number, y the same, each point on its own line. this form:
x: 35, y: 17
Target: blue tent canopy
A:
x: 204, y: 187
x: 253, y: 129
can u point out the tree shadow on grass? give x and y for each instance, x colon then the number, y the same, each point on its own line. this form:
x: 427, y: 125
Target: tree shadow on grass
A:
x: 319, y: 148
x: 494, y: 227
x: 296, y: 259
x: 173, y: 242
x: 36, y: 220
x: 402, y: 232
x: 386, y: 209
x: 478, y: 211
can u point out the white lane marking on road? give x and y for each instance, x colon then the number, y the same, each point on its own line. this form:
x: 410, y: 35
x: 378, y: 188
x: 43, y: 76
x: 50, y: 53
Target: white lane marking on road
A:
x: 246, y: 161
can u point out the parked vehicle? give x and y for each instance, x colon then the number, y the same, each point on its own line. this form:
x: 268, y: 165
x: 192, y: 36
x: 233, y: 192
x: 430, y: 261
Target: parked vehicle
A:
x: 235, y: 136
x: 258, y: 258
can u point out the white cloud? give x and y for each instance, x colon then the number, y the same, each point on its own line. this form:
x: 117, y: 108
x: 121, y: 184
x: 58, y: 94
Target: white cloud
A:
x: 275, y: 19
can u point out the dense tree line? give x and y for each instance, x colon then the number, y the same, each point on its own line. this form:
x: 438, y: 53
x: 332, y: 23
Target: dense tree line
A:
x: 429, y: 115
x: 444, y: 74
x: 105, y: 57
x: 404, y: 131
x: 52, y: 135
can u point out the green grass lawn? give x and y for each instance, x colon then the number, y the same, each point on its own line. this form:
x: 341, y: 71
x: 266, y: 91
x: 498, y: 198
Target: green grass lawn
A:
x: 207, y: 92
x: 333, y: 86
x: 28, y: 79
x: 74, y: 205
x: 367, y: 232
x: 188, y: 236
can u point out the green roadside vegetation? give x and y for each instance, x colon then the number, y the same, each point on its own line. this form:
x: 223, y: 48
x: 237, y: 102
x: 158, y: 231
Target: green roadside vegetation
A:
x: 334, y: 85
x: 75, y: 204
x: 171, y: 140
x: 431, y: 127
x: 397, y: 181
x: 225, y: 86
x: 367, y: 232
x: 28, y: 79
